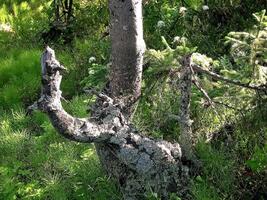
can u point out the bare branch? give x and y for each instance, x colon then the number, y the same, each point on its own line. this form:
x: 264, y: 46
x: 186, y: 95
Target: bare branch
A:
x: 134, y: 160
x: 82, y: 130
x: 197, y: 84
x: 262, y: 88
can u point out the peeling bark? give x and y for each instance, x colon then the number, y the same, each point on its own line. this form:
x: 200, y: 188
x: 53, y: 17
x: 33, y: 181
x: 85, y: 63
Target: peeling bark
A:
x: 139, y: 164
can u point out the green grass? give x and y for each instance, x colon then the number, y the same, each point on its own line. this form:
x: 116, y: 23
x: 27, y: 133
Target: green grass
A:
x: 19, y: 78
x: 217, y: 179
x: 37, y: 163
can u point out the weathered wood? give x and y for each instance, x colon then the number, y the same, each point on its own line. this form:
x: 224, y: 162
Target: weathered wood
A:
x: 185, y: 83
x: 82, y: 130
x: 139, y: 164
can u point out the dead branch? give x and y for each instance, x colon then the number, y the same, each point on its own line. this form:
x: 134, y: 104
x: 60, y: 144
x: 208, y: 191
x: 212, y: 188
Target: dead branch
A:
x: 139, y: 160
x: 261, y: 88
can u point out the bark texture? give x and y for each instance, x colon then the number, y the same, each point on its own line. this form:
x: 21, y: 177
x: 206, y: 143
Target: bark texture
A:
x: 138, y: 163
x: 127, y: 49
x: 185, y: 84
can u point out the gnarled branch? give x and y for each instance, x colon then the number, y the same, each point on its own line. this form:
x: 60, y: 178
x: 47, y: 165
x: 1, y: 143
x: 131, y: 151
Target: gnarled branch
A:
x: 82, y: 130
x: 140, y: 161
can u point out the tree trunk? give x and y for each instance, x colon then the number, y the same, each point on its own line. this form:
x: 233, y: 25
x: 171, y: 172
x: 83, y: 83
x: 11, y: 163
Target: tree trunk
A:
x: 127, y: 48
x: 185, y: 84
x: 56, y: 7
x: 70, y: 10
x: 139, y: 164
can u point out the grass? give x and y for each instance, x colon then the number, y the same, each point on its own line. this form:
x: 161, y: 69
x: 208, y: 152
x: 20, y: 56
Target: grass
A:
x: 217, y: 179
x: 20, y: 77
x: 35, y: 161
x: 17, y: 73
x: 41, y: 164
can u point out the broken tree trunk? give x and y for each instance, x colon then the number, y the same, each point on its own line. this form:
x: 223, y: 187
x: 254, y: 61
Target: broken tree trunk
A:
x: 185, y: 83
x: 139, y: 164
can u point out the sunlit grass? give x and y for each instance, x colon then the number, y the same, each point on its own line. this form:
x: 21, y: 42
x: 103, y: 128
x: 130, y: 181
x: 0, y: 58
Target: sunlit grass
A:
x: 218, y: 178
x: 44, y: 165
x: 35, y: 161
x: 19, y: 78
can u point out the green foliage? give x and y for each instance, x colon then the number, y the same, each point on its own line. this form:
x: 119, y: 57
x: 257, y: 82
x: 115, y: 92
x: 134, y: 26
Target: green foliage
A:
x: 92, y: 63
x: 161, y: 61
x: 77, y: 106
x: 160, y: 92
x: 97, y: 76
x: 203, y: 190
x: 37, y: 163
x: 258, y: 162
x: 218, y: 174
x: 203, y: 28
x: 249, y: 48
x: 20, y: 76
x: 17, y: 74
x: 91, y: 18
x: 26, y: 18
x: 160, y: 102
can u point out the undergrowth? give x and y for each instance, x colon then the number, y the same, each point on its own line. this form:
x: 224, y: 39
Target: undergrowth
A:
x: 37, y: 163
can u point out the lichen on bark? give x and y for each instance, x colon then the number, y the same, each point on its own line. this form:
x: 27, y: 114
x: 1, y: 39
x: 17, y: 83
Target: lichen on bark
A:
x: 138, y: 163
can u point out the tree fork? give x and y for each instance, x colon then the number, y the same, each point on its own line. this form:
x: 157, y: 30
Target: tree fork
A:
x: 139, y: 164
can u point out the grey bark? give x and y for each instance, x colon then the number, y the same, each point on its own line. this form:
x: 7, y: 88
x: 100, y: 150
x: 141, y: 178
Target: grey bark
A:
x: 139, y: 164
x: 185, y: 83
x: 127, y: 48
